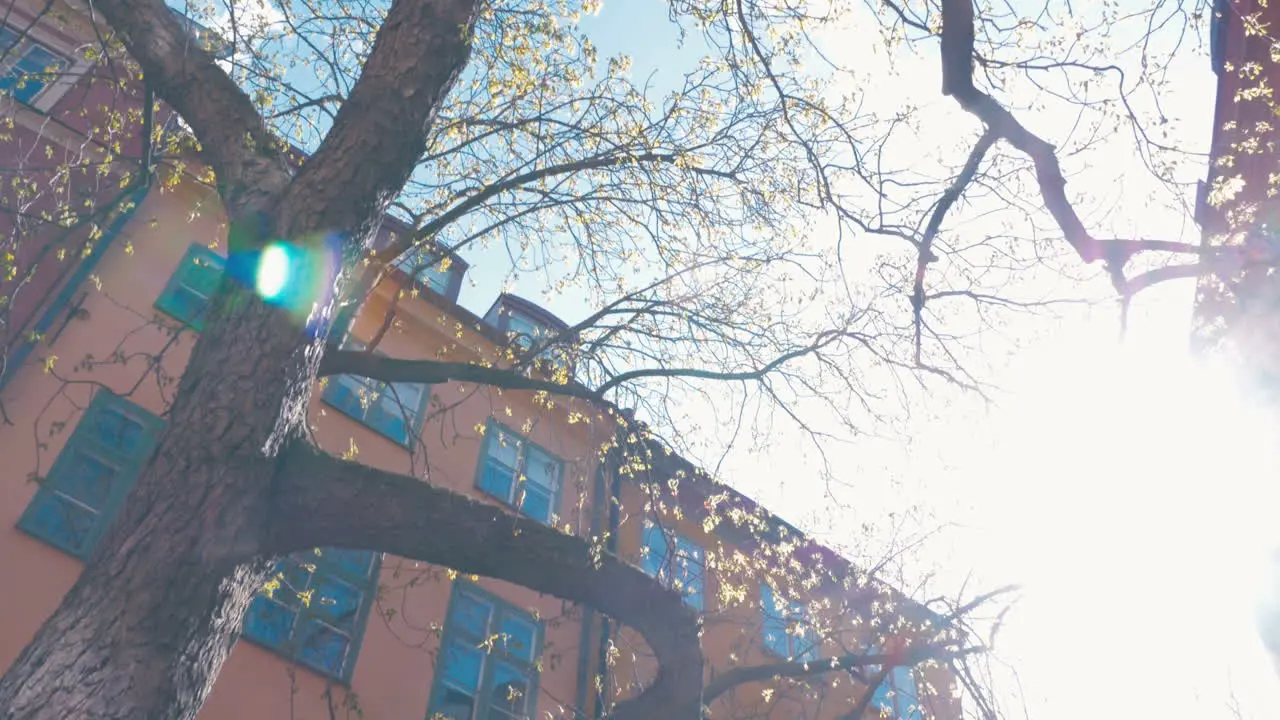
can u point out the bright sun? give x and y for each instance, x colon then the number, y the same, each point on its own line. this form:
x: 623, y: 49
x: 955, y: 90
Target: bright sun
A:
x: 1132, y: 489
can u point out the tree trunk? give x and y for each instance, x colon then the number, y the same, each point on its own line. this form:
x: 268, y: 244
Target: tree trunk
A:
x: 144, y: 631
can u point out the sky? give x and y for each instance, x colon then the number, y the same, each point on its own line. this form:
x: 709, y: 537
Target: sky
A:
x: 1125, y: 483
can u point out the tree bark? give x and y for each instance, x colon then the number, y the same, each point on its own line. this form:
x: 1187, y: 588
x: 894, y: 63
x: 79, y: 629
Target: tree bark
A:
x: 145, y: 629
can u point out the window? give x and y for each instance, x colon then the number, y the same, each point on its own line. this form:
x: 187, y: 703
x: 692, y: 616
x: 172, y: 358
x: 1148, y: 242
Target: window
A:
x: 487, y: 667
x: 444, y: 275
x: 786, y: 634
x: 315, y: 609
x: 26, y: 66
x: 91, y: 477
x: 524, y: 333
x: 395, y: 410
x: 186, y: 296
x: 676, y: 562
x: 895, y: 697
x: 519, y: 473
x: 523, y: 326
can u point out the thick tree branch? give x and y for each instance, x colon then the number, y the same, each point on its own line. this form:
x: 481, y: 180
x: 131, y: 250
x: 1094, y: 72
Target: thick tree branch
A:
x: 320, y: 501
x: 756, y: 673
x: 957, y: 81
x: 234, y: 140
x: 381, y: 130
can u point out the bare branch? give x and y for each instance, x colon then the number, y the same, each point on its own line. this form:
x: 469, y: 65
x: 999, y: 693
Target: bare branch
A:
x: 949, y: 198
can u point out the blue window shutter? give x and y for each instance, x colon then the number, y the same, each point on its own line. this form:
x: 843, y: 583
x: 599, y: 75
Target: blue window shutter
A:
x: 93, y: 475
x: 187, y: 294
x: 324, y: 634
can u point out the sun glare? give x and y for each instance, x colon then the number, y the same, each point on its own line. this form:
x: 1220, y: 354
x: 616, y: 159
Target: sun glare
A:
x: 1132, y: 491
x: 273, y: 271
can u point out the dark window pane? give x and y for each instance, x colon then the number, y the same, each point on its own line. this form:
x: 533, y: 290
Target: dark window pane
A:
x: 336, y: 602
x: 356, y: 562
x: 344, y: 394
x: 455, y: 704
x: 537, y: 502
x: 540, y: 468
x: 387, y: 419
x: 269, y: 622
x: 518, y: 636
x: 497, y: 479
x: 654, y: 560
x: 510, y: 690
x: 86, y: 479
x: 462, y: 665
x: 471, y: 614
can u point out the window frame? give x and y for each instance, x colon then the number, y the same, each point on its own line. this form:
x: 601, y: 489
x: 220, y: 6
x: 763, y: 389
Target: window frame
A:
x: 53, y: 91
x: 795, y: 646
x: 418, y: 416
x: 697, y: 598
x: 290, y: 650
x: 552, y: 358
x: 128, y: 468
x: 164, y: 301
x: 499, y: 608
x: 457, y: 269
x: 492, y: 430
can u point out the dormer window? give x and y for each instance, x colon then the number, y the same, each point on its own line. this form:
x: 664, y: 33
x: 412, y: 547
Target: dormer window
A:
x: 526, y: 332
x: 526, y: 325
x: 442, y: 276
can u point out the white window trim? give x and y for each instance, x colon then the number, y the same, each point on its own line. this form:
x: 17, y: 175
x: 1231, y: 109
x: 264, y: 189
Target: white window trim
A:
x: 53, y: 92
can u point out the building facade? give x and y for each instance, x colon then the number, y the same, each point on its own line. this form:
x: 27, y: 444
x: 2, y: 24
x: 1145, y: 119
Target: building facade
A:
x: 102, y: 309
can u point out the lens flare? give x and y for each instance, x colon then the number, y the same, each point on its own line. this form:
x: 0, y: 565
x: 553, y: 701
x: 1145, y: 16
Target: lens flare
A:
x: 273, y: 272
